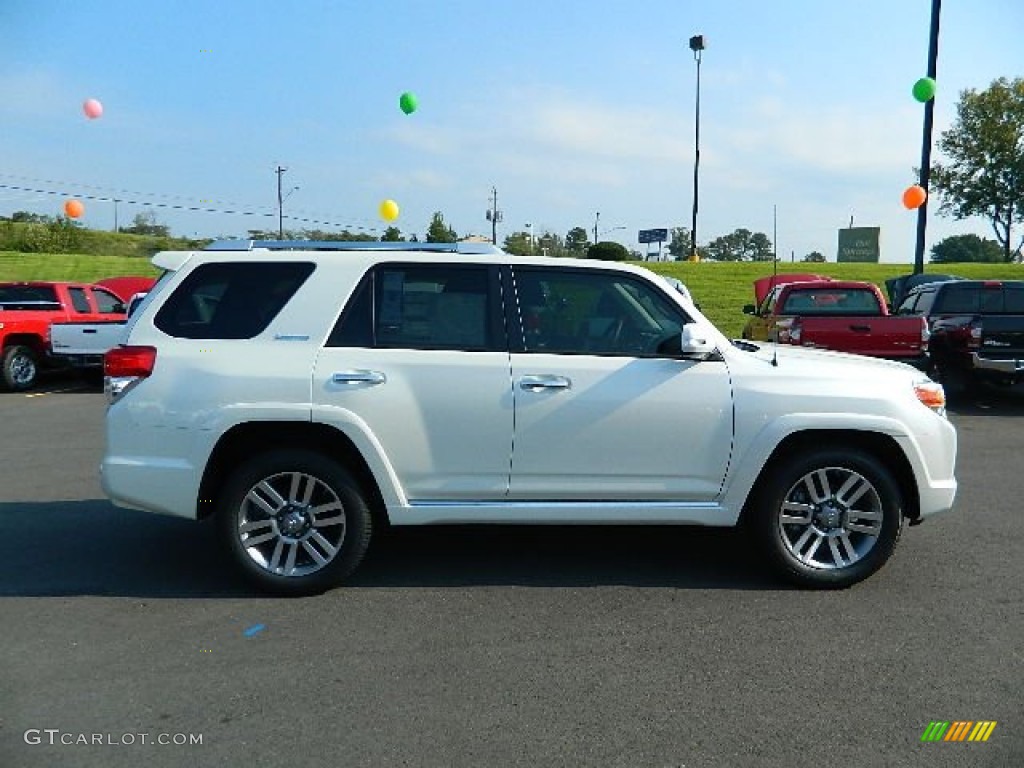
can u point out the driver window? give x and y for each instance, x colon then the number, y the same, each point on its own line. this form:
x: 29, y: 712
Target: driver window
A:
x: 593, y: 313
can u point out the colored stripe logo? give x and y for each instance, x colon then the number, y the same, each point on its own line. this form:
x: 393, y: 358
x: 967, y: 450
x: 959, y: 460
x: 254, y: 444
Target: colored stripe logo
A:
x: 958, y: 730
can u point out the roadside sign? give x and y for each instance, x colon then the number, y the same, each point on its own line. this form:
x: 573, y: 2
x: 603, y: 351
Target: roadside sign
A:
x: 653, y: 235
x: 858, y: 244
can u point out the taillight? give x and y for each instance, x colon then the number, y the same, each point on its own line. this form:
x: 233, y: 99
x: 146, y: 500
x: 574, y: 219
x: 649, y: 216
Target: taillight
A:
x: 124, y: 368
x: 974, y: 335
x: 926, y: 335
x: 129, y: 361
x: 794, y: 331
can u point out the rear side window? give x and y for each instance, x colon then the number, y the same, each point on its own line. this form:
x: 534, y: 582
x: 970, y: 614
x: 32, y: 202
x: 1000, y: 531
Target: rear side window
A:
x: 79, y: 300
x: 414, y: 306
x: 230, y: 300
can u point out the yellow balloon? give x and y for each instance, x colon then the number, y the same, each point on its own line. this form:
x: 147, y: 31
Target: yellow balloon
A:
x: 389, y: 210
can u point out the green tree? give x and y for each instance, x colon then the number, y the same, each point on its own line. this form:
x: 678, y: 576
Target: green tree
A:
x: 518, y: 244
x: 145, y: 223
x: 985, y: 173
x: 392, y: 235
x: 679, y: 244
x: 576, y: 242
x: 31, y: 218
x: 608, y: 251
x: 816, y: 257
x: 740, y: 245
x: 966, y: 248
x: 439, y: 232
x: 550, y: 244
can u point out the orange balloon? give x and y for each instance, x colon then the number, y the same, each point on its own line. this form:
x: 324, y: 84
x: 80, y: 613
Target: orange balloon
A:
x: 74, y: 209
x: 914, y: 197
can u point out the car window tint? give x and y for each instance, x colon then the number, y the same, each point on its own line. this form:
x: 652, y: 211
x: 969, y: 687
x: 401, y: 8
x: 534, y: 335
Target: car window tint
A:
x: 107, y: 302
x: 433, y: 307
x: 832, y: 301
x: 79, y: 300
x: 1013, y: 298
x: 958, y: 299
x: 355, y: 326
x: 595, y: 313
x: 230, y: 300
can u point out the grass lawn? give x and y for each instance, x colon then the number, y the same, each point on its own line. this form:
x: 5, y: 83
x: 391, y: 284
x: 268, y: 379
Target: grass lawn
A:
x: 721, y: 288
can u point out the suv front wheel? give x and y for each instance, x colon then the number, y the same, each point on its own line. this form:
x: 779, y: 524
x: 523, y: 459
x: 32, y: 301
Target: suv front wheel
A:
x: 828, y: 519
x: 296, y: 522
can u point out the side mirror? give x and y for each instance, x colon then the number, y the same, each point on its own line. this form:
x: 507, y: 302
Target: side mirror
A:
x: 694, y: 343
x: 119, y: 309
x: 749, y: 309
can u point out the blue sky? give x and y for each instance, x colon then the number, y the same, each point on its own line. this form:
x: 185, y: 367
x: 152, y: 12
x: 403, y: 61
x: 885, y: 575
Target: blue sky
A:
x: 567, y: 108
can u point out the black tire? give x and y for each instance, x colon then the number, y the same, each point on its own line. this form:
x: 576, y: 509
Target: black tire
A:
x: 19, y: 367
x: 858, y: 536
x: 290, y: 531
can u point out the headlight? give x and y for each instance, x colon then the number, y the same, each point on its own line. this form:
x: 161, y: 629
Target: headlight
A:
x: 932, y: 395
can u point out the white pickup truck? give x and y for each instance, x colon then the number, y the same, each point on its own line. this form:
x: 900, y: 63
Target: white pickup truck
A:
x: 83, y: 345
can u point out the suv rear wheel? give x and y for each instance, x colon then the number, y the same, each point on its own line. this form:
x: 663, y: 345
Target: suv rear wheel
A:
x: 829, y: 518
x: 295, y: 522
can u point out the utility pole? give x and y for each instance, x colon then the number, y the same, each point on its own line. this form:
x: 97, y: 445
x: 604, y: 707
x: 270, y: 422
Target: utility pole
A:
x: 280, y: 203
x: 116, y: 201
x: 597, y: 218
x: 494, y: 215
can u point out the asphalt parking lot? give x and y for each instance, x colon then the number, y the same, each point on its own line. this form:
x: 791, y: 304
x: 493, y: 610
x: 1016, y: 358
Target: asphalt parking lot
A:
x: 497, y: 647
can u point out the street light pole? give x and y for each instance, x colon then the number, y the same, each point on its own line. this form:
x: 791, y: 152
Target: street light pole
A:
x: 696, y: 45
x: 529, y: 226
x: 926, y: 139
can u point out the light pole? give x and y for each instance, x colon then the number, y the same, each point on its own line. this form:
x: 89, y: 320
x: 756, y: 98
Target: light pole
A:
x: 696, y: 45
x: 529, y: 227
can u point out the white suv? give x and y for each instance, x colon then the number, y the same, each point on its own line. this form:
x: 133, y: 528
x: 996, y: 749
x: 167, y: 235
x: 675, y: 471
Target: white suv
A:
x: 306, y: 394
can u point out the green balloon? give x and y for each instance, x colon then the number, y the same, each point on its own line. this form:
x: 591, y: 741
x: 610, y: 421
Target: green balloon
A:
x: 407, y: 102
x: 924, y: 89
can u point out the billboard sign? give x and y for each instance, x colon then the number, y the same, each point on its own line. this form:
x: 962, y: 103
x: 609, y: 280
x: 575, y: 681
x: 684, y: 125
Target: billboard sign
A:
x: 653, y: 235
x: 858, y: 244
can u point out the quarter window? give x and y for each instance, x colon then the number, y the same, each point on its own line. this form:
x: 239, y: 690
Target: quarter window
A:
x: 230, y: 300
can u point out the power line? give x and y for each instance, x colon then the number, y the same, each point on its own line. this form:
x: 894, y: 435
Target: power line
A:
x: 179, y: 207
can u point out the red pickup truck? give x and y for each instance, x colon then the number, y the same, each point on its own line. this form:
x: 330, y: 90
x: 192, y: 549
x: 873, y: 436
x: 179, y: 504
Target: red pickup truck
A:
x: 841, y: 315
x: 26, y: 313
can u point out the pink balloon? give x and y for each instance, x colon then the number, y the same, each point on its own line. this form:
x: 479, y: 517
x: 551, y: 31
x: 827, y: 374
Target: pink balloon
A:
x: 92, y: 108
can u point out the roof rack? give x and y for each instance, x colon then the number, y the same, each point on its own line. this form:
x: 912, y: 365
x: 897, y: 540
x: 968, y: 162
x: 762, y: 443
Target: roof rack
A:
x: 351, y: 245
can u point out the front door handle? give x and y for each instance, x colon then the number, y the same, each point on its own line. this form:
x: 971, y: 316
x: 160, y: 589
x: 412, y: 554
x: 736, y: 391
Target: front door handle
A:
x: 537, y: 382
x: 861, y: 328
x: 358, y: 377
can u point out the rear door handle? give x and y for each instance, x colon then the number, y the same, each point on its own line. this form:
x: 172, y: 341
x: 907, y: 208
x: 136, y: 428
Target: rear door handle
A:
x: 861, y: 328
x: 537, y: 382
x: 358, y: 377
